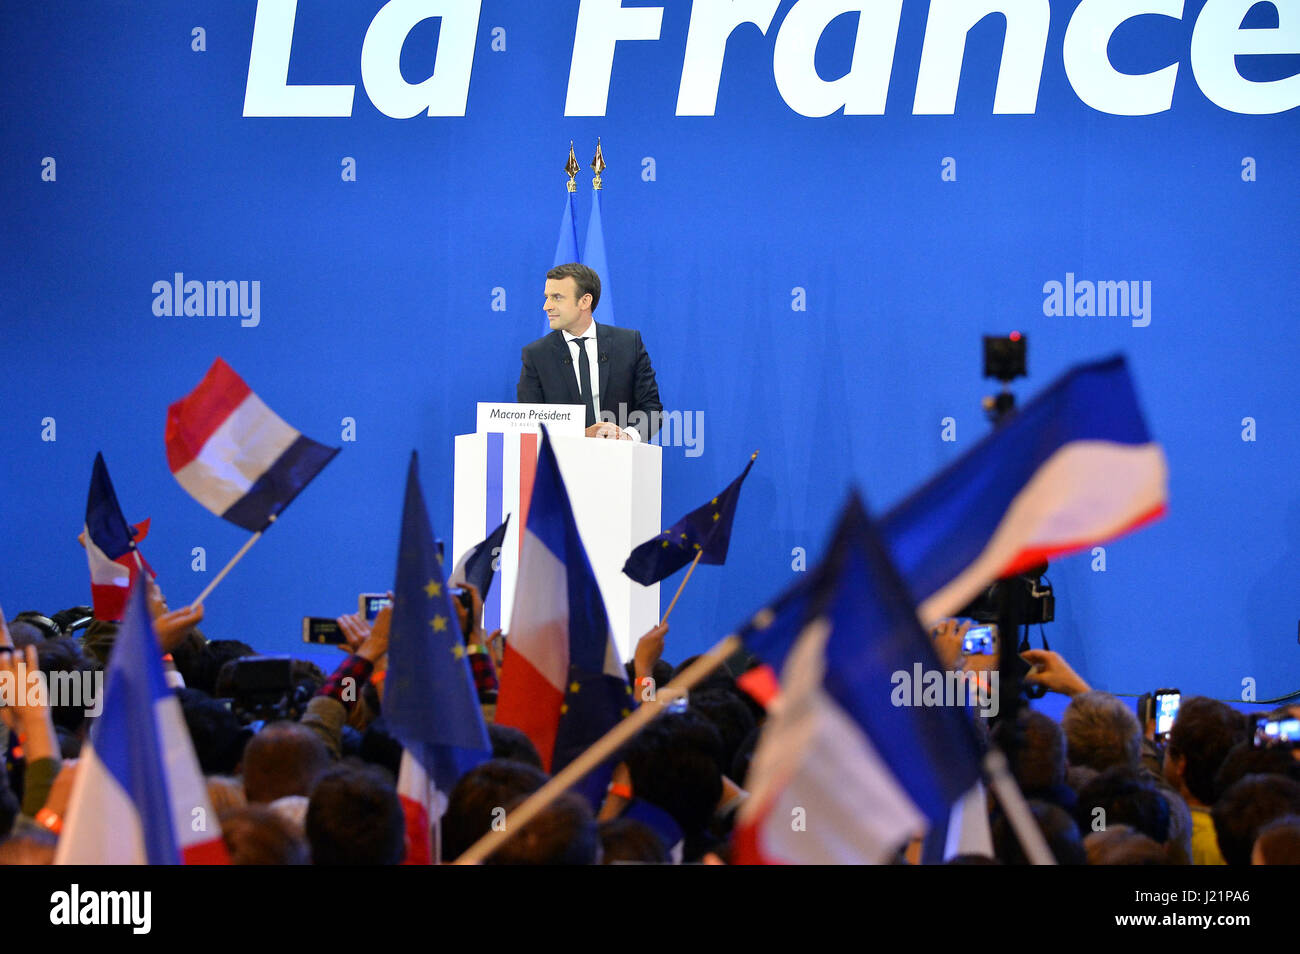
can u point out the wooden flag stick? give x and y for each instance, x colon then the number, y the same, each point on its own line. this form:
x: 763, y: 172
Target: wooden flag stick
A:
x: 681, y: 586
x: 207, y: 590
x: 603, y: 748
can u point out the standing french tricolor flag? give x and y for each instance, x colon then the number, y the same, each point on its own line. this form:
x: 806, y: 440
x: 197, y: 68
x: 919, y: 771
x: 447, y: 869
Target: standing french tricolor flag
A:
x: 561, y: 680
x: 139, y: 797
x: 430, y: 703
x: 1074, y: 468
x: 234, y: 455
x: 110, y: 542
x: 844, y: 773
x: 593, y: 252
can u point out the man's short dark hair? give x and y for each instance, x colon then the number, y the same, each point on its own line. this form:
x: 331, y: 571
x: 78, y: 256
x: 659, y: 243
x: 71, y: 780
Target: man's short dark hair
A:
x: 628, y: 841
x: 355, y: 818
x: 1279, y: 841
x: 1038, y: 759
x: 1246, y: 808
x: 257, y: 835
x: 1204, y: 731
x: 511, y: 743
x: 483, y: 789
x: 1058, y: 830
x: 283, y: 759
x: 587, y: 280
x: 1244, y: 759
x: 674, y: 765
x: 562, y: 833
x: 1126, y: 798
x: 218, y: 737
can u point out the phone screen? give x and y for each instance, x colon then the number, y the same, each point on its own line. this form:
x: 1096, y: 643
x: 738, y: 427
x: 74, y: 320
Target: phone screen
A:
x: 1166, y: 711
x: 371, y: 605
x: 979, y: 641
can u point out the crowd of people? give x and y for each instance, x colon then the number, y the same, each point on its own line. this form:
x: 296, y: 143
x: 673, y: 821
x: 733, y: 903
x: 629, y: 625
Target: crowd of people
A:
x: 315, y: 782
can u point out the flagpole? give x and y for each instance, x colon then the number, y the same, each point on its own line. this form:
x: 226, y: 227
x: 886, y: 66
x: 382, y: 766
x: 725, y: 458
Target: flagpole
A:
x: 603, y: 748
x: 681, y: 586
x: 1018, y: 814
x: 207, y: 590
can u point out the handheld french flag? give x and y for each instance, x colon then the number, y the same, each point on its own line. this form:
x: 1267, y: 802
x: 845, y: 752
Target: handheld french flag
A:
x: 705, y: 530
x: 847, y: 768
x: 430, y: 703
x: 1074, y: 468
x: 234, y: 455
x: 139, y: 797
x: 478, y: 565
x: 110, y: 541
x: 561, y: 680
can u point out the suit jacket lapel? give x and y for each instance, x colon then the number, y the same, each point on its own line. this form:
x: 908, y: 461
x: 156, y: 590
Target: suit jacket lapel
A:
x: 564, y: 355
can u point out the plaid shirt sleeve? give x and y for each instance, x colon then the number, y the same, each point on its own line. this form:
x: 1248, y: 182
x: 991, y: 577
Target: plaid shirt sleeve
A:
x: 356, y: 668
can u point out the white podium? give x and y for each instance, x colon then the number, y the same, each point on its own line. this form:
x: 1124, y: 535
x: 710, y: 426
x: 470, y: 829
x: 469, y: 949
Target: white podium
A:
x: 614, y: 488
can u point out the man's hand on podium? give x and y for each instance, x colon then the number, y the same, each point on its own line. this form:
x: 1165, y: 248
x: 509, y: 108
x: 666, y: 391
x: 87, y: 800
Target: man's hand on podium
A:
x: 607, y: 430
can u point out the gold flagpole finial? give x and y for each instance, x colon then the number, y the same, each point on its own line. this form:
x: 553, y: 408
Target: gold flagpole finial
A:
x: 572, y: 168
x: 597, y: 165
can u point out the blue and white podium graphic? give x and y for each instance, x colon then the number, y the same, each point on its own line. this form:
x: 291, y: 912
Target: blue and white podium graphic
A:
x: 814, y: 210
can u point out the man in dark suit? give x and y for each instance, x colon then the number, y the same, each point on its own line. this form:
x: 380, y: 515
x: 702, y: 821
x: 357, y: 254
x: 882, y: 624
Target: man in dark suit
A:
x: 582, y: 362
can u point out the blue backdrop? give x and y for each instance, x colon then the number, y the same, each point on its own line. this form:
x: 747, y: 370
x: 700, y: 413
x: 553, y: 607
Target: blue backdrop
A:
x: 814, y: 286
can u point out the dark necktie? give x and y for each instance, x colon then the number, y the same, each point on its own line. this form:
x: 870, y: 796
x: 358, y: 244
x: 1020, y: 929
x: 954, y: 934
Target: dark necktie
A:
x: 584, y: 379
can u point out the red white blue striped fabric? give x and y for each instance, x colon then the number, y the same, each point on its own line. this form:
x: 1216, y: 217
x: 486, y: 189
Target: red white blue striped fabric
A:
x: 1075, y: 467
x: 234, y: 455
x: 140, y: 797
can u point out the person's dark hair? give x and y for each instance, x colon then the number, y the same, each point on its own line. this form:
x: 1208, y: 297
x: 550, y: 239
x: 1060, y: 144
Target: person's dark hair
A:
x: 511, y: 743
x: 1038, y: 755
x: 562, y: 833
x: 1059, y: 831
x: 212, y: 659
x: 98, y: 638
x: 628, y: 841
x: 1244, y: 759
x: 1101, y: 731
x: 730, y: 716
x: 285, y: 758
x: 673, y: 763
x: 1121, y: 845
x: 61, y: 658
x: 493, y: 785
x: 307, y: 676
x: 355, y: 818
x: 1247, y: 807
x: 23, y: 634
x: 257, y: 835
x: 1204, y: 731
x: 218, y: 737
x: 1126, y: 798
x: 587, y: 280
x: 1278, y: 842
